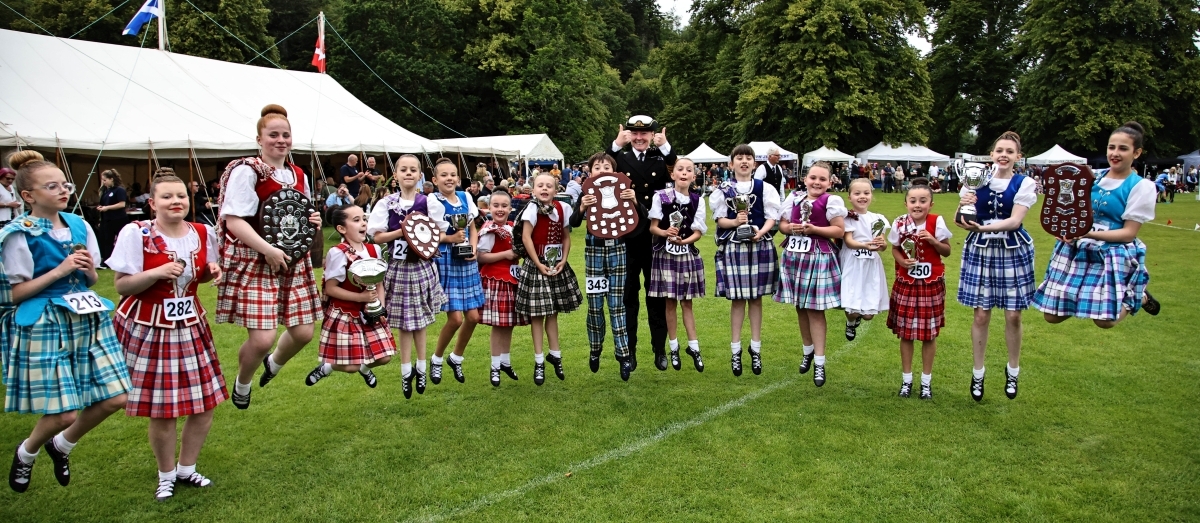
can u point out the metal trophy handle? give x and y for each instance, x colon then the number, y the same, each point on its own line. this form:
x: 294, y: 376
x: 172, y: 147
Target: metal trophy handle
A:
x: 974, y: 176
x: 368, y: 272
x: 460, y: 222
x: 806, y: 209
x: 743, y: 203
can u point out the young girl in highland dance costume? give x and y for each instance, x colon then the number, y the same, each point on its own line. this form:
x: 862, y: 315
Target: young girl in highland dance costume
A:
x: 499, y: 271
x: 60, y: 356
x: 1103, y: 275
x: 413, y: 296
x: 548, y: 285
x: 168, y: 344
x: 810, y: 278
x: 459, y: 275
x: 864, y: 284
x: 997, y: 259
x: 348, y: 342
x: 259, y: 291
x: 676, y: 268
x: 918, y: 306
x: 747, y: 269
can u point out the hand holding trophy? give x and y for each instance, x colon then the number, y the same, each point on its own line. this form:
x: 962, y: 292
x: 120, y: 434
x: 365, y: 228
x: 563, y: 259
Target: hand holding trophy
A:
x: 368, y: 272
x: 743, y: 203
x: 974, y: 176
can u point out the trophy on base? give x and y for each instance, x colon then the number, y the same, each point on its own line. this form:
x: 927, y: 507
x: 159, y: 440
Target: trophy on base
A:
x: 460, y: 222
x: 368, y: 272
x: 806, y: 209
x: 553, y: 254
x: 877, y: 228
x: 909, y: 246
x: 974, y: 176
x: 676, y: 221
x: 743, y: 203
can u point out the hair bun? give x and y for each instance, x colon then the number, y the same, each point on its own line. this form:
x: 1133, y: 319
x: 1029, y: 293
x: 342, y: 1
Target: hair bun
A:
x: 274, y: 109
x: 919, y: 182
x: 20, y: 158
x: 1135, y: 126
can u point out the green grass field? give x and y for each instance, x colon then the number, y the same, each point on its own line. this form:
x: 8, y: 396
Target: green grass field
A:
x: 1105, y: 428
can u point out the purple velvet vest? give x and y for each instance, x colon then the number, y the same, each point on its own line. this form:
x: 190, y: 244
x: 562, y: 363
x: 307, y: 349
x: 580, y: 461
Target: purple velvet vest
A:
x: 818, y: 218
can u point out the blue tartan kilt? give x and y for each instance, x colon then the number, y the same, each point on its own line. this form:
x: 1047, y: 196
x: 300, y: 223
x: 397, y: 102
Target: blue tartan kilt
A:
x: 810, y: 280
x: 996, y: 277
x: 1094, y: 281
x: 461, y: 282
x: 747, y: 270
x: 64, y: 362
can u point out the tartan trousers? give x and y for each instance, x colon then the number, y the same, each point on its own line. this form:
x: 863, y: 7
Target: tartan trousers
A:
x: 607, y: 261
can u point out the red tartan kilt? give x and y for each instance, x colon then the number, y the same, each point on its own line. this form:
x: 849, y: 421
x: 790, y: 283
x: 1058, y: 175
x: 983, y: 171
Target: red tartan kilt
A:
x: 174, y: 372
x: 345, y: 340
x: 500, y: 304
x: 250, y: 296
x: 917, y: 311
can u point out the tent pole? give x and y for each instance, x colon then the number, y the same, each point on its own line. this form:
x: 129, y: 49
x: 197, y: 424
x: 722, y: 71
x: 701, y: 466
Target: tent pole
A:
x: 191, y: 178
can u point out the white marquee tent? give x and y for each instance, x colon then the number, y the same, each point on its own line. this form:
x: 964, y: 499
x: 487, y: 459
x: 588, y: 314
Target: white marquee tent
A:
x: 535, y: 147
x: 86, y: 96
x: 906, y: 152
x: 706, y: 154
x: 826, y: 154
x: 1190, y: 160
x: 760, y: 152
x: 1056, y: 154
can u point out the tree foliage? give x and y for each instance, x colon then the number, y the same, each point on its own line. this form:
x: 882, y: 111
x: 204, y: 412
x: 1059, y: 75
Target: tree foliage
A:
x: 973, y: 72
x: 834, y: 73
x: 66, y: 17
x: 287, y: 16
x: 1093, y: 65
x: 191, y: 32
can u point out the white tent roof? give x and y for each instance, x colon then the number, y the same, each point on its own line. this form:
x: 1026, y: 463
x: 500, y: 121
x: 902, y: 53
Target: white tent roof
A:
x: 86, y: 96
x: 760, y: 151
x: 706, y: 154
x: 826, y: 154
x: 906, y: 152
x: 529, y: 146
x: 1056, y: 154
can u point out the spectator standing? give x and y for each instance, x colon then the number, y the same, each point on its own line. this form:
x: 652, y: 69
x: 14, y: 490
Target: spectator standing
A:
x: 10, y: 204
x: 770, y: 172
x: 575, y: 189
x: 350, y: 175
x: 370, y: 174
x: 112, y: 212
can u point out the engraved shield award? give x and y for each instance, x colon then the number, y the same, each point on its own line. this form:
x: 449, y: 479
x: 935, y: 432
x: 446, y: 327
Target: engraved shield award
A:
x: 422, y: 235
x: 610, y: 217
x: 1067, y: 208
x: 285, y: 223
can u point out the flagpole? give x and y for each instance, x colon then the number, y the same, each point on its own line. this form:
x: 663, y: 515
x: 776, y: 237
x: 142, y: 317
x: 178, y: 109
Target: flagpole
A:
x: 321, y: 37
x: 162, y: 28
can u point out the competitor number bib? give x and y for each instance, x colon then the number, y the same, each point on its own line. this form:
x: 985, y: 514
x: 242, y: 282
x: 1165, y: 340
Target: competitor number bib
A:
x: 920, y: 271
x: 677, y: 249
x: 597, y: 284
x: 175, y: 309
x: 864, y: 254
x: 799, y: 244
x: 86, y: 302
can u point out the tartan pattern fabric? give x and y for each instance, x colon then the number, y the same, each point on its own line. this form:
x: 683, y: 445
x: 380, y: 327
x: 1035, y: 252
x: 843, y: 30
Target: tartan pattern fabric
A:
x: 500, y: 304
x: 174, y: 372
x: 62, y: 363
x: 746, y: 270
x: 250, y: 296
x: 676, y: 276
x: 346, y: 340
x: 413, y: 295
x: 540, y: 295
x: 1094, y: 281
x: 810, y: 280
x: 917, y: 311
x: 996, y: 277
x: 607, y: 261
x: 461, y: 282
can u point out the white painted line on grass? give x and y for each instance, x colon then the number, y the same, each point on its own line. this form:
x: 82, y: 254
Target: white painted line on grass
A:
x: 1174, y: 227
x: 626, y: 450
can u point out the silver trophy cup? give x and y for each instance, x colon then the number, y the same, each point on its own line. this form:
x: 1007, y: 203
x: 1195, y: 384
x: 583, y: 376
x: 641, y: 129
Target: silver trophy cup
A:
x: 974, y: 176
x: 368, y: 272
x: 743, y: 203
x: 460, y: 222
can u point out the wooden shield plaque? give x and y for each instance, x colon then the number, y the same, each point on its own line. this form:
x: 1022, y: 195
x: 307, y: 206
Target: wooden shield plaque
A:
x: 422, y: 234
x: 1067, y: 209
x: 610, y: 217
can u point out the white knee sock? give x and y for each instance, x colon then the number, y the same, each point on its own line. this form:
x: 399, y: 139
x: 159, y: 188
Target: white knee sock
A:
x: 241, y: 388
x: 819, y: 360
x: 736, y: 347
x: 674, y: 344
x: 556, y: 353
x: 978, y: 373
x: 435, y: 360
x: 1013, y: 371
x: 405, y: 370
x: 183, y: 471
x: 756, y: 346
x: 539, y: 358
x: 906, y: 377
x: 496, y: 362
x: 421, y: 366
x: 926, y: 378
x: 808, y: 349
x: 456, y: 358
x: 694, y: 345
x: 506, y: 359
x: 271, y: 363
x: 62, y: 444
x: 26, y: 457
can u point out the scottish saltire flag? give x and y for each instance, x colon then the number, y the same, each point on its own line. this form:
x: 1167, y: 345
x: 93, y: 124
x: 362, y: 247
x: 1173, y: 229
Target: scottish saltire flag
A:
x: 150, y: 9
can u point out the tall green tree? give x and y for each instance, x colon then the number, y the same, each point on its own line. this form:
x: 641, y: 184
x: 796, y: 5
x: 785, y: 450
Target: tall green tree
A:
x: 287, y: 16
x: 973, y: 71
x: 191, y: 32
x: 834, y: 73
x: 619, y: 34
x: 551, y: 69
x: 417, y: 47
x: 1095, y: 64
x: 66, y: 17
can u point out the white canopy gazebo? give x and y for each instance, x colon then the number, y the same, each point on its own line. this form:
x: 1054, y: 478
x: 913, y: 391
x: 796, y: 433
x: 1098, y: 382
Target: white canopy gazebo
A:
x: 532, y: 147
x: 706, y: 154
x: 826, y: 154
x: 906, y: 152
x: 1055, y: 155
x: 761, y: 148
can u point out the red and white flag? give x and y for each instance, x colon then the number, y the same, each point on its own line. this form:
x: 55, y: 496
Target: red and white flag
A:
x: 318, y: 60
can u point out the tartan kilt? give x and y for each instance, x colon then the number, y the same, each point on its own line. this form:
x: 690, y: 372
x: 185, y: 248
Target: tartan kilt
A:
x: 810, y: 280
x: 175, y: 372
x: 413, y: 294
x: 747, y: 270
x: 500, y: 305
x: 1093, y: 281
x: 63, y: 363
x: 461, y: 282
x: 676, y: 277
x: 917, y: 311
x: 995, y: 277
x: 251, y: 297
x: 540, y: 295
x: 345, y: 340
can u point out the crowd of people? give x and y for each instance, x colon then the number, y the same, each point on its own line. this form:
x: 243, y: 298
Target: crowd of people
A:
x: 72, y: 360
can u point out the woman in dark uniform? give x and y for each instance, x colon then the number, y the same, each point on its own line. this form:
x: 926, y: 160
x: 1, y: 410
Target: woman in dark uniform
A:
x: 112, y: 211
